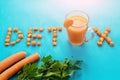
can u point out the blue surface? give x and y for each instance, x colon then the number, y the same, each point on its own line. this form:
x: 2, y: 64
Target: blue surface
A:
x: 100, y: 63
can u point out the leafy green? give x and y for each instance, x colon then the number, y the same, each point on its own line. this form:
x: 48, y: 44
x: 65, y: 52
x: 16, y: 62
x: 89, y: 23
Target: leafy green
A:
x: 50, y: 69
x: 28, y: 72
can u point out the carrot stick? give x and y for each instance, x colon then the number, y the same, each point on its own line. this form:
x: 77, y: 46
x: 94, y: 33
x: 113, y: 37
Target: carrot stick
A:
x: 11, y: 60
x: 18, y: 66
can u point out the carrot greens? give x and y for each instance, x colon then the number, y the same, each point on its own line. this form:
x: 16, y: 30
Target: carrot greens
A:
x: 50, y: 69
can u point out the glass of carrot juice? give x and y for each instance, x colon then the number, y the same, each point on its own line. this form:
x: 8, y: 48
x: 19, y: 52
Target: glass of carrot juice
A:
x: 76, y: 24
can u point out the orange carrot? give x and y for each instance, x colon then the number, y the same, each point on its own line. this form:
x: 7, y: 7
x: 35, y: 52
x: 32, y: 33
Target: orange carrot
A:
x: 18, y: 66
x: 68, y: 22
x: 11, y: 60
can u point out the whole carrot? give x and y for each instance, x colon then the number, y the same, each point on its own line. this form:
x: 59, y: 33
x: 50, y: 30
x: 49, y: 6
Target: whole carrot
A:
x: 11, y: 60
x: 18, y: 66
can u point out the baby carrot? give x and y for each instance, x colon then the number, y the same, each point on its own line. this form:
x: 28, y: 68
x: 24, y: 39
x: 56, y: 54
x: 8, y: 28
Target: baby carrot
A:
x: 18, y: 66
x: 49, y: 29
x: 11, y: 60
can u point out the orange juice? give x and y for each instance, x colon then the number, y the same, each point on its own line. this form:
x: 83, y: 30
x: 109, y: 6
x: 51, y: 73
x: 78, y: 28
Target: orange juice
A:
x: 77, y: 29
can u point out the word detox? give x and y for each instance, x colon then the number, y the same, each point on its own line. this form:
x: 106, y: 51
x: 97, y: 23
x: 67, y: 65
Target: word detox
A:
x: 31, y: 38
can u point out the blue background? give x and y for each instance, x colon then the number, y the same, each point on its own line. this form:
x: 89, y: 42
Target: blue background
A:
x: 100, y: 63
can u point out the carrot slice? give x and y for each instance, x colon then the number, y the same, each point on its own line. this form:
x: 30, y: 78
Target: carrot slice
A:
x: 68, y: 22
x: 18, y: 66
x: 11, y: 60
